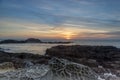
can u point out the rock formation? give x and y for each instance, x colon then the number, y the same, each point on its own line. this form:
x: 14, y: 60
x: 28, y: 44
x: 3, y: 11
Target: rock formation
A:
x: 57, y: 69
x: 32, y: 40
x: 108, y: 57
x: 64, y: 63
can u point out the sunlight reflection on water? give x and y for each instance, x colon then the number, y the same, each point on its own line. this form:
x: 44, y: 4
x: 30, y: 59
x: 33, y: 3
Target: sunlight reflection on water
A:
x: 35, y: 48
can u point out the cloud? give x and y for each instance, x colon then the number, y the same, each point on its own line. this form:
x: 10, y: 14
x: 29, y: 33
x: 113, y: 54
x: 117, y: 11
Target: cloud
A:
x: 25, y: 25
x: 43, y: 30
x: 76, y: 27
x: 84, y: 2
x: 106, y: 35
x: 115, y: 33
x: 54, y: 17
x: 57, y: 12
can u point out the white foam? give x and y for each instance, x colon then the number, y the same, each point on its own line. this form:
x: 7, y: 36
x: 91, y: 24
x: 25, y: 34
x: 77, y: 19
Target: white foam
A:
x: 99, y: 78
x: 108, y: 76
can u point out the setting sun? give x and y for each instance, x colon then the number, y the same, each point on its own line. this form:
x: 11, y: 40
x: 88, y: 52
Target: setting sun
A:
x: 68, y: 35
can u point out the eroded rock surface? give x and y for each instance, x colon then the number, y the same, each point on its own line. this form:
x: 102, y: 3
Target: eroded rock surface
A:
x: 107, y: 57
x: 57, y: 69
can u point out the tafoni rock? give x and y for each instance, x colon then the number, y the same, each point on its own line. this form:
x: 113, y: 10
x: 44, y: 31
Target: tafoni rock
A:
x: 57, y: 69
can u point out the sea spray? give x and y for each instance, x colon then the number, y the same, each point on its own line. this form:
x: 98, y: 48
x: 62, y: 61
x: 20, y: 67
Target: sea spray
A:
x: 108, y: 76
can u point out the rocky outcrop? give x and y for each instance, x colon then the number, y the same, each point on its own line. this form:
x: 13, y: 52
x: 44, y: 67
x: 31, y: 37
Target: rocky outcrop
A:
x: 98, y: 53
x: 108, y: 57
x: 32, y: 40
x: 69, y: 61
x: 11, y: 41
x: 70, y: 70
x: 29, y: 40
x: 90, y: 52
x: 57, y: 69
x: 20, y: 60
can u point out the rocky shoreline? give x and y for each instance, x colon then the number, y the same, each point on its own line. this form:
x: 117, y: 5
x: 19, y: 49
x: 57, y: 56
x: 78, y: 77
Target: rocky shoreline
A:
x: 101, y: 59
x: 21, y: 60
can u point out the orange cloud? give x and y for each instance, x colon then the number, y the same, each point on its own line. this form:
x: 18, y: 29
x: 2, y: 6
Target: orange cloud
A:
x: 27, y: 29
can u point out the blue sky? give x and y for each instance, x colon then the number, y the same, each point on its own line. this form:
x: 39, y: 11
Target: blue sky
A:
x: 60, y: 19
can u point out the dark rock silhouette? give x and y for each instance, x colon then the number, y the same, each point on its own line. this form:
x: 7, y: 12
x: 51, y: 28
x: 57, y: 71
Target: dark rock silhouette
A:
x: 31, y: 40
x: 11, y: 41
x: 88, y: 52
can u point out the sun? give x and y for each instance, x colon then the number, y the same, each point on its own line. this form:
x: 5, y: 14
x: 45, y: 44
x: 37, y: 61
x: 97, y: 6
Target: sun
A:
x: 68, y: 35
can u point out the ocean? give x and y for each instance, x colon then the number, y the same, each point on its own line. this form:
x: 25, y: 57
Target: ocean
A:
x: 40, y: 48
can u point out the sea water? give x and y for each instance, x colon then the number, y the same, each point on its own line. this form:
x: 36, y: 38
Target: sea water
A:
x: 40, y: 48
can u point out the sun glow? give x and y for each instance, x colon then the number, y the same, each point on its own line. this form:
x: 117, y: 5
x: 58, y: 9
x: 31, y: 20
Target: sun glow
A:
x: 68, y: 35
x: 58, y: 32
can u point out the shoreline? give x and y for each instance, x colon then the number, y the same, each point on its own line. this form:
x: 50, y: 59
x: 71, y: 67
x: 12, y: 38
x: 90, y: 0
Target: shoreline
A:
x: 101, y: 59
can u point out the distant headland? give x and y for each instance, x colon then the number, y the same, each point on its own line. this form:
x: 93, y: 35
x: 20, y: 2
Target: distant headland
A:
x: 32, y: 40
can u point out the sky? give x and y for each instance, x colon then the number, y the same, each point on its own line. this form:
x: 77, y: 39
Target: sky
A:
x: 60, y: 19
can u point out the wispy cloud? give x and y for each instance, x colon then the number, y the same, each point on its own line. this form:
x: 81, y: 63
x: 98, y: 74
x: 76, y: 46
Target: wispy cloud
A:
x: 56, y: 18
